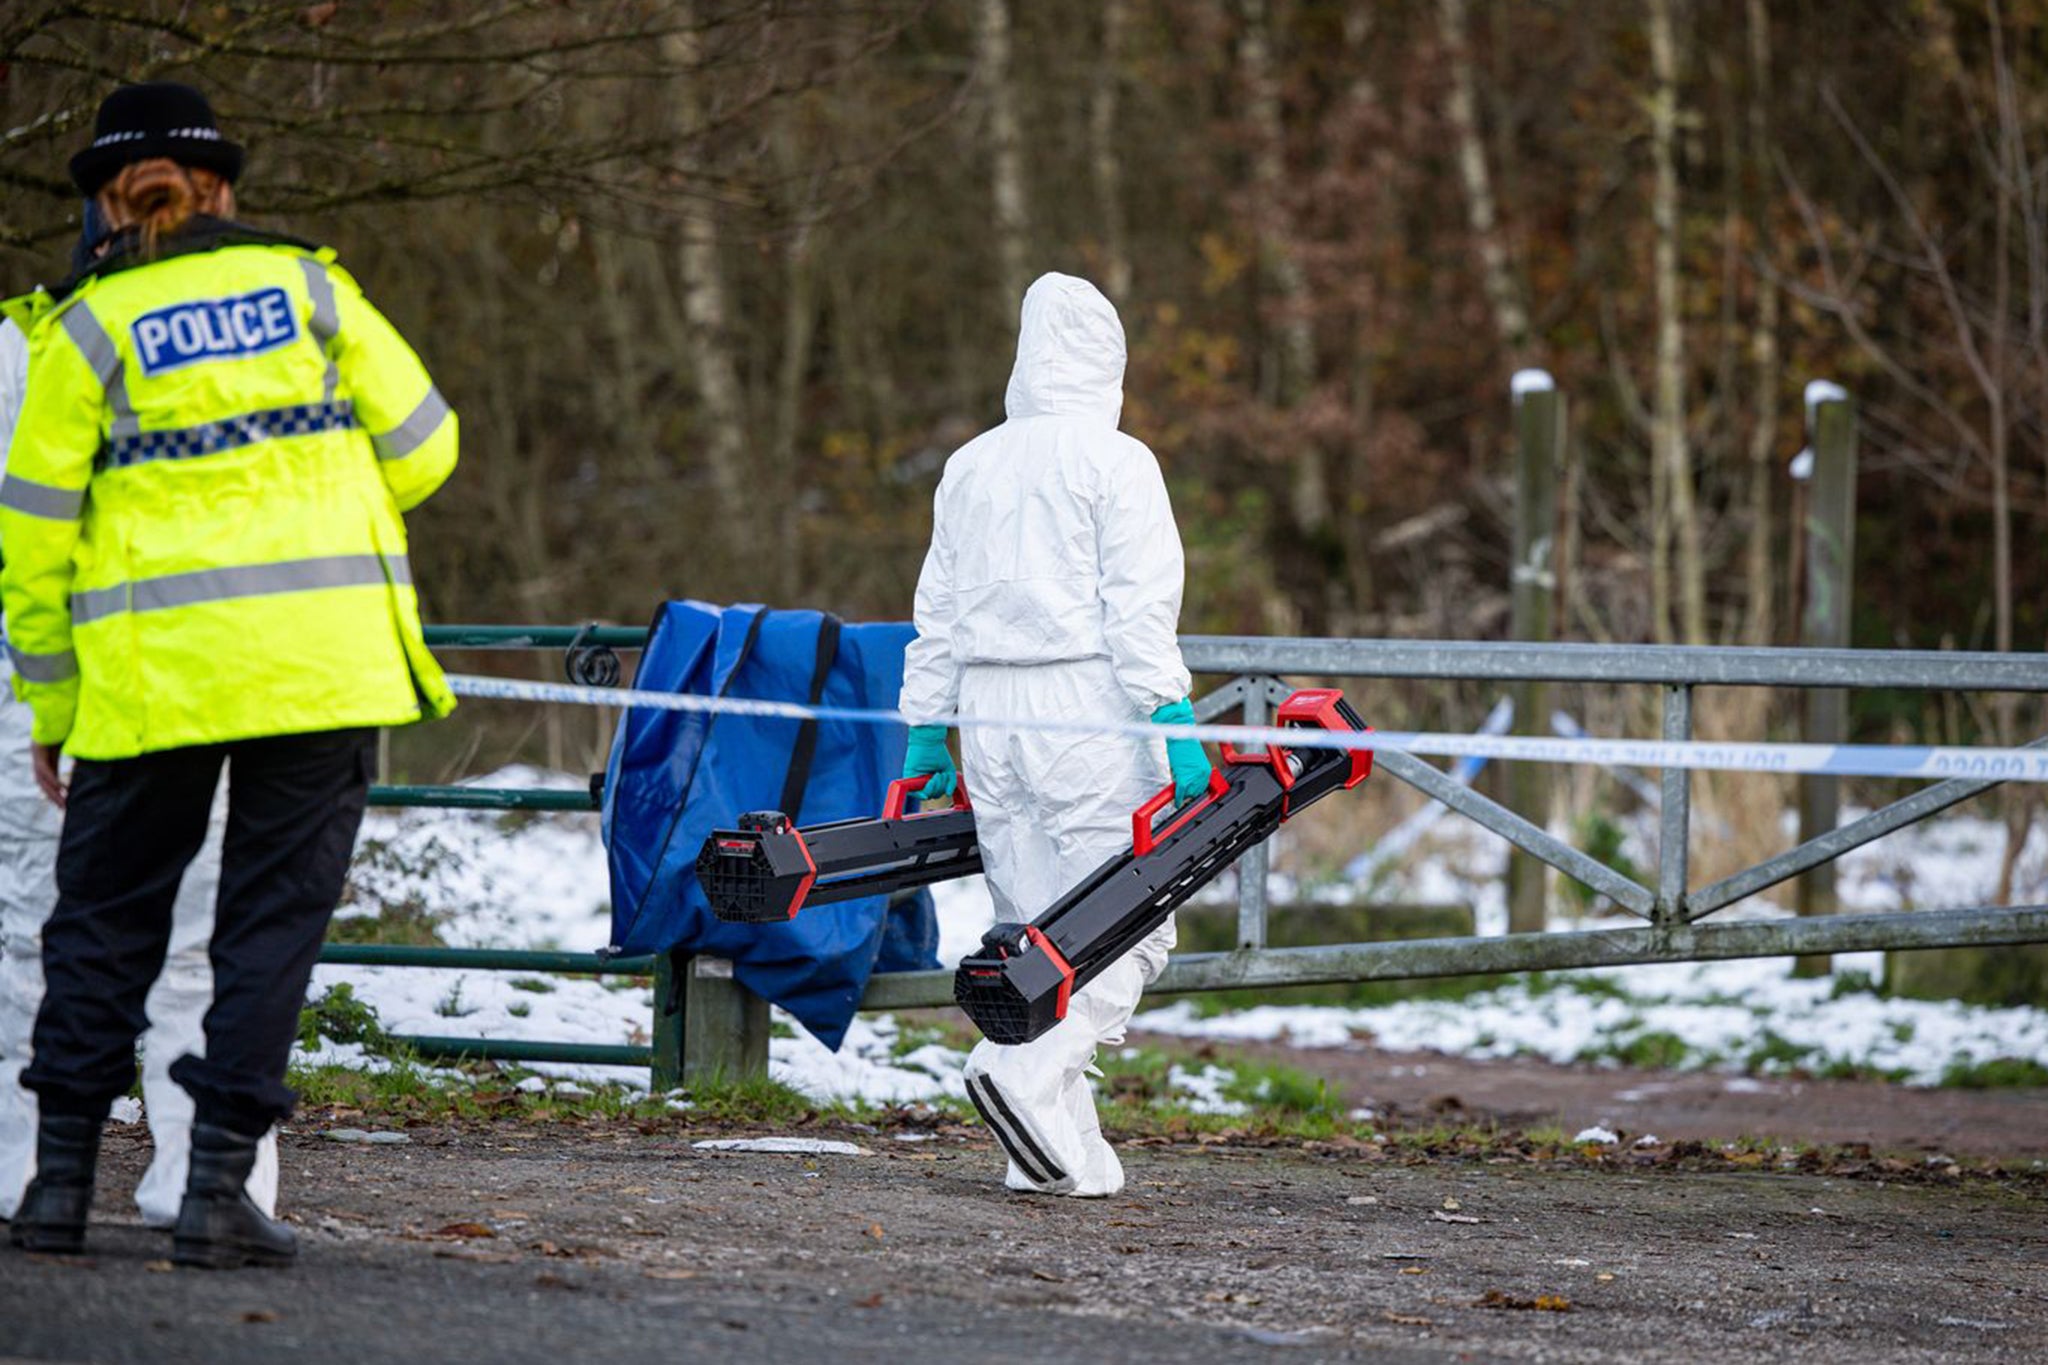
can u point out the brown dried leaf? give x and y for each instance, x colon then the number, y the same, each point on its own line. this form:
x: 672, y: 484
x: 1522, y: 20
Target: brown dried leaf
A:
x: 465, y: 1230
x: 259, y: 1315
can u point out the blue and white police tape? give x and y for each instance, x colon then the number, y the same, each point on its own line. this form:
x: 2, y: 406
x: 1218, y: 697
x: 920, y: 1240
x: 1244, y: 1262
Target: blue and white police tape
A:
x: 1844, y: 760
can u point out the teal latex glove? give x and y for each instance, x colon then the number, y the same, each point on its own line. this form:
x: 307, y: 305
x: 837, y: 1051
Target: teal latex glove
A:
x: 1186, y: 757
x: 928, y: 756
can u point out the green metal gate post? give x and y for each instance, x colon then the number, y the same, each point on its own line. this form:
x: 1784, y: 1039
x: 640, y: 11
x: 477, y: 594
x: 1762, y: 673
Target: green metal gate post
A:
x: 667, y: 1065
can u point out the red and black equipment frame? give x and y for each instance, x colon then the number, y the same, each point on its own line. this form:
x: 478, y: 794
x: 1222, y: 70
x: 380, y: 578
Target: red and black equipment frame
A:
x: 1018, y: 984
x: 1016, y: 987
x: 768, y: 869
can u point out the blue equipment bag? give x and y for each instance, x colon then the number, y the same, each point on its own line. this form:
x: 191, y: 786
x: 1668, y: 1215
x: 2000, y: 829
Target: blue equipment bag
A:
x: 675, y: 775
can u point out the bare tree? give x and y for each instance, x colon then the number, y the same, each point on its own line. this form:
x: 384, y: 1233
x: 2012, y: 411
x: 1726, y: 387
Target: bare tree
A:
x: 1503, y: 293
x: 705, y: 310
x: 1105, y: 150
x: 1760, y: 624
x: 1009, y: 198
x: 1675, y: 515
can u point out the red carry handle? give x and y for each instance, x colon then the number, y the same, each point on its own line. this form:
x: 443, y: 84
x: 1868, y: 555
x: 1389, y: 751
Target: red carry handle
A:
x: 902, y: 787
x: 1144, y: 839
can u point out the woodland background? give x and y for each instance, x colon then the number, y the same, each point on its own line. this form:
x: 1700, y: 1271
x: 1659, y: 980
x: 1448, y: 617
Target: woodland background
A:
x: 716, y: 287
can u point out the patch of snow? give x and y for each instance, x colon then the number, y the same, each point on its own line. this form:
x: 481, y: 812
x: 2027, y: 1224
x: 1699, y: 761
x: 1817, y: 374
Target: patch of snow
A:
x: 1603, y: 1136
x: 378, y: 1138
x: 1203, y: 1090
x: 1712, y: 1015
x: 787, y: 1146
x: 965, y: 914
x: 864, y: 1068
x: 523, y: 880
x: 1820, y: 391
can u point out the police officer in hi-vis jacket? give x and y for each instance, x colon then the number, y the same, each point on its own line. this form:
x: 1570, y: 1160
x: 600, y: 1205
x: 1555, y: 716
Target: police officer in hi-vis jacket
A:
x: 205, y: 564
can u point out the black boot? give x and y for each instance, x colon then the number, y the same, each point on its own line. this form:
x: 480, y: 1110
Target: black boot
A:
x: 219, y: 1227
x: 52, y: 1213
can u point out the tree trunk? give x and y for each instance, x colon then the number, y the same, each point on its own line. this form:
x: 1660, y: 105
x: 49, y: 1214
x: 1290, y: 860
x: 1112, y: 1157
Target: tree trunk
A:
x: 1011, y: 205
x: 1678, y: 518
x: 1105, y: 152
x: 1510, y: 316
x: 1292, y: 371
x: 2014, y: 799
x: 1763, y: 431
x: 1351, y: 460
x: 721, y: 398
x: 1290, y: 368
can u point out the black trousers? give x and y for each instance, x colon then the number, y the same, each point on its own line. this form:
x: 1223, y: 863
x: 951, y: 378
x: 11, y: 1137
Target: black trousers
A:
x: 131, y: 826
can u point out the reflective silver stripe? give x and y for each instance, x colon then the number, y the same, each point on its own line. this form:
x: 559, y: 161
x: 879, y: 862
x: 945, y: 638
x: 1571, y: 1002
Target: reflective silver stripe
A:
x: 242, y: 580
x: 424, y: 420
x: 97, y: 347
x: 326, y: 319
x: 41, y: 500
x: 43, y: 668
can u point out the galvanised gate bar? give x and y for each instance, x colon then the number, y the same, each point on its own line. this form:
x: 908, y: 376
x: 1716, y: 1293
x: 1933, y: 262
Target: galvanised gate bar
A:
x: 704, y: 1024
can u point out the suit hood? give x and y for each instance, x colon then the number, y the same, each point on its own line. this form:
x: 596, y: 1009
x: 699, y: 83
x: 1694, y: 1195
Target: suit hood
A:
x: 1070, y: 353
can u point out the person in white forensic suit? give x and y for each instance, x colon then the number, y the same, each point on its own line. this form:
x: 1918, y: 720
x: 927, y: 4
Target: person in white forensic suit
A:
x: 1052, y: 589
x: 30, y: 823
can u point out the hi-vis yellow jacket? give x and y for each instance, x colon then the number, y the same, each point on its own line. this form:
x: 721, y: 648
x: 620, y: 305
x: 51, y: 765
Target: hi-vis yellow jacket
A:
x: 200, y: 523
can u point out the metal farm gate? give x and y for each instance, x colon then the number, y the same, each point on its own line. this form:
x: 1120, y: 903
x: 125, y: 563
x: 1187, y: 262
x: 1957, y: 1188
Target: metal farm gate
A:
x: 703, y: 1024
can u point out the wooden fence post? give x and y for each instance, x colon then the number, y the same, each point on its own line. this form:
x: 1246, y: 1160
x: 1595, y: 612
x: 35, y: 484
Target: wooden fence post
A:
x: 1532, y: 596
x: 1829, y: 464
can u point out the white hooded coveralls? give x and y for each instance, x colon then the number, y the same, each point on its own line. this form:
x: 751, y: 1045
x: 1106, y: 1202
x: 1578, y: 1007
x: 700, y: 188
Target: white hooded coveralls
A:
x: 1053, y: 589
x: 29, y: 830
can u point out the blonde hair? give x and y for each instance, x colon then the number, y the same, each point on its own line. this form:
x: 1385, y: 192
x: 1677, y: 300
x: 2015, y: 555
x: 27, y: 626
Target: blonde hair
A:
x: 159, y: 196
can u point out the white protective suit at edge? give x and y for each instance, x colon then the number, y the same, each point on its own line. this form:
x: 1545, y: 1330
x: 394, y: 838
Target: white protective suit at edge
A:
x: 177, y: 1003
x: 1053, y: 588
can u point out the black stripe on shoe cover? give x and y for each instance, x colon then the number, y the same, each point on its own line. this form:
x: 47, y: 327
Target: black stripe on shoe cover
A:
x: 1023, y: 1135
x: 1003, y: 1136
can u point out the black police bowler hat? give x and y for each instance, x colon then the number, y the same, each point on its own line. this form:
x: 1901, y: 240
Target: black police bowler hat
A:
x: 159, y: 118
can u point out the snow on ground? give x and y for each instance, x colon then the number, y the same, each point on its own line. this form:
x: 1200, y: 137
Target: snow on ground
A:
x: 1738, y: 1016
x: 539, y: 880
x: 527, y: 880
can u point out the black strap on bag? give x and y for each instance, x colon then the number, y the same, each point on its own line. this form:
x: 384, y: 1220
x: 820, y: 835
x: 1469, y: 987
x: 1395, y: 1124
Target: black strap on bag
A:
x: 805, y: 749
